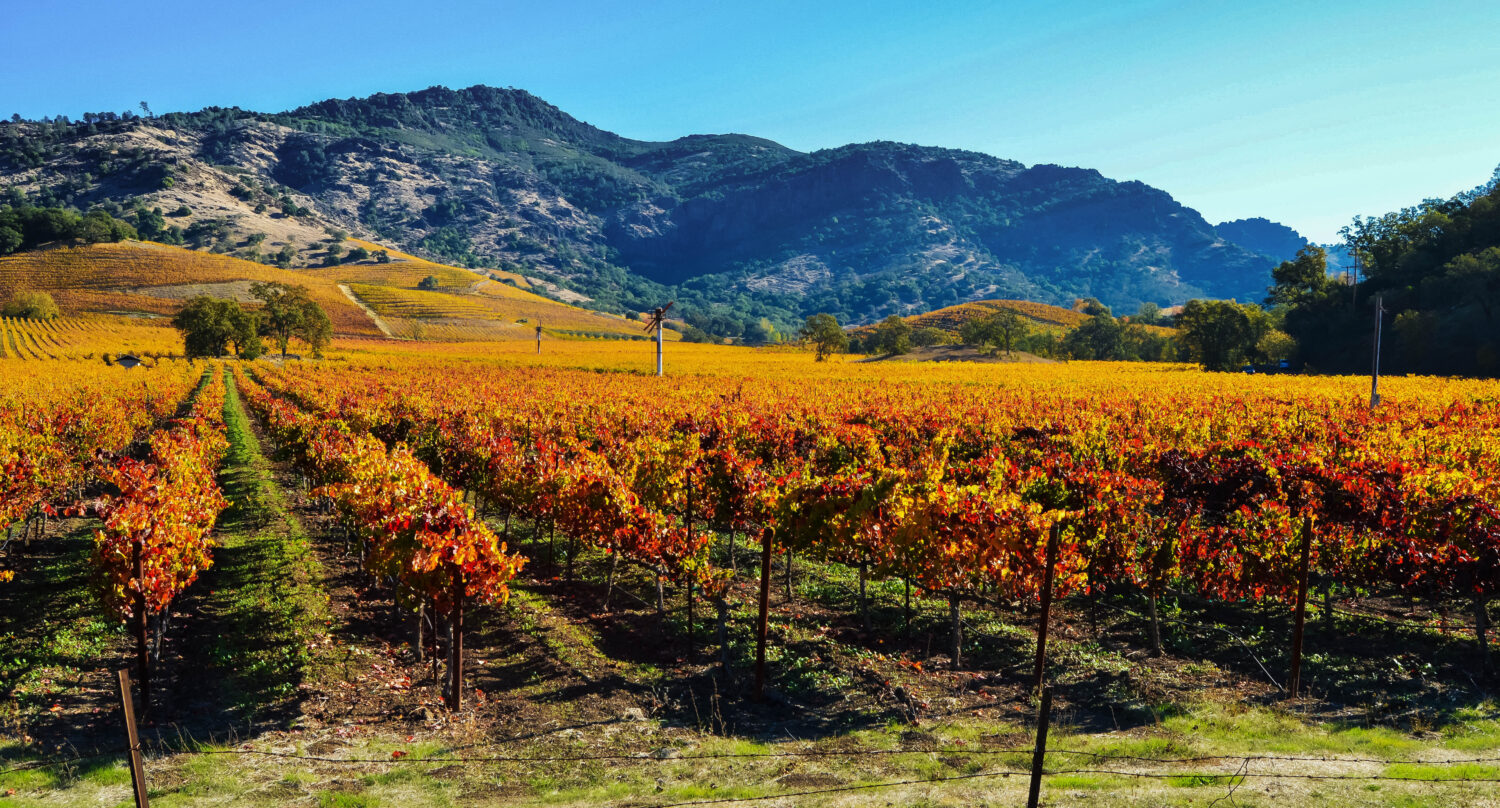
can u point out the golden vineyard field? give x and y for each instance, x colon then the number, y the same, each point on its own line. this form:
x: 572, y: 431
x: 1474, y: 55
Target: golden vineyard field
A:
x: 155, y: 278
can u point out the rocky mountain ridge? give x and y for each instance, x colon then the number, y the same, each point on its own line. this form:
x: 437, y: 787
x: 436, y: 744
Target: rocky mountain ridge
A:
x: 737, y: 228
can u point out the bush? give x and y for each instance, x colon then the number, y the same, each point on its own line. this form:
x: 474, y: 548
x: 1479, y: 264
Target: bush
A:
x: 32, y: 306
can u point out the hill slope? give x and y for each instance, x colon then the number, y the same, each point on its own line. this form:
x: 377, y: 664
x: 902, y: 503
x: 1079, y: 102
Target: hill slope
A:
x: 721, y: 223
x: 1268, y: 238
x: 152, y: 280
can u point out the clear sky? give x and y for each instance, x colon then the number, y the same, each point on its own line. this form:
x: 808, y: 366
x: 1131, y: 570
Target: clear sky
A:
x: 1303, y: 112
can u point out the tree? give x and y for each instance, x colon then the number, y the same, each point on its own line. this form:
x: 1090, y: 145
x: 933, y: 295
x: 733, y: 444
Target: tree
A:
x: 428, y: 283
x: 285, y: 256
x: 1220, y: 334
x: 244, y: 333
x: 1275, y: 345
x: 928, y: 336
x: 1099, y: 337
x: 1475, y: 278
x: 1148, y: 314
x: 32, y: 306
x: 358, y: 254
x: 334, y: 251
x: 382, y: 257
x: 759, y: 332
x: 892, y: 336
x: 1007, y: 326
x: 1091, y: 307
x: 823, y: 331
x: 209, y: 324
x: 289, y: 312
x: 1302, y: 279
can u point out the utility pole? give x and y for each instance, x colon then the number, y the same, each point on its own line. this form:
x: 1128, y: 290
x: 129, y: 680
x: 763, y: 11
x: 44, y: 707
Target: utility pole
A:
x: 1375, y: 360
x: 538, y: 340
x: 657, y: 316
x: 1353, y: 274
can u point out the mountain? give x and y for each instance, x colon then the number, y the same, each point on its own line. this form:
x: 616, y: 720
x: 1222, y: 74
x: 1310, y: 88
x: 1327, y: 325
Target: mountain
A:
x: 1263, y: 236
x: 736, y: 228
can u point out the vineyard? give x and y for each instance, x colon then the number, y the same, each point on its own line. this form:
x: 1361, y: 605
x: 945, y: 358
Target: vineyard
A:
x: 82, y: 338
x: 151, y: 281
x: 759, y: 561
x: 493, y: 311
x: 142, y: 277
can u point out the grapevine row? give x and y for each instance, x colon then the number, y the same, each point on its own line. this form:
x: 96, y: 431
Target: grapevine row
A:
x: 155, y: 539
x: 54, y: 426
x: 959, y: 491
x: 414, y: 528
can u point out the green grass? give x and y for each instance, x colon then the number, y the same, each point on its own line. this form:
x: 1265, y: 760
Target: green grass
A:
x: 1456, y: 771
x: 262, y: 592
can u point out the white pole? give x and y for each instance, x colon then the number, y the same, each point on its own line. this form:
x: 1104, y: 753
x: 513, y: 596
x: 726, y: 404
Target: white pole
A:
x: 658, y: 343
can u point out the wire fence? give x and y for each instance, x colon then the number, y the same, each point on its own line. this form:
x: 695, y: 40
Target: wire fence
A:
x: 654, y: 757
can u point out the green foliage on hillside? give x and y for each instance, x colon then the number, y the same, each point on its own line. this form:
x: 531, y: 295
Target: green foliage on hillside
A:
x: 24, y: 227
x: 1436, y: 267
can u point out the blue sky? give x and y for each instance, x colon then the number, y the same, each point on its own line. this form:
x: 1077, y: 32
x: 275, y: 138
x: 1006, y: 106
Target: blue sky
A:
x: 1306, y: 113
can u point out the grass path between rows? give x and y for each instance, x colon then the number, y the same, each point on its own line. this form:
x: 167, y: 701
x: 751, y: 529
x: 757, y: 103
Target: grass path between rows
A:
x: 260, y: 609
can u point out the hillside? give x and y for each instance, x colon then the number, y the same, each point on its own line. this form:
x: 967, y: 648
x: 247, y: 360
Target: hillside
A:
x: 728, y: 225
x: 1271, y: 239
x: 950, y: 319
x: 152, y: 280
x: 149, y: 280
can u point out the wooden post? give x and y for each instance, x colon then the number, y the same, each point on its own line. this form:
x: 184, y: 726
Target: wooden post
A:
x: 1041, y: 629
x: 789, y: 574
x: 690, y: 577
x: 864, y: 603
x: 765, y: 606
x: 1481, y: 628
x: 1294, y: 682
x: 1155, y: 625
x: 137, y: 773
x: 1039, y: 755
x: 456, y: 646
x: 958, y: 632
x: 906, y: 612
x: 538, y: 340
x: 142, y: 647
x: 421, y: 618
x: 609, y: 581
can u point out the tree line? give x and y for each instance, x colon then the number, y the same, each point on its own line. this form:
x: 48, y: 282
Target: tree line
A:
x: 26, y: 227
x: 1436, y: 269
x: 210, y: 326
x: 1219, y: 335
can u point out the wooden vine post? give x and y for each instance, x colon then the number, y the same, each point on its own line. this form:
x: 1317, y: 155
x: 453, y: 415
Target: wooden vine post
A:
x: 127, y: 708
x: 456, y: 645
x: 1041, y: 629
x: 142, y: 647
x: 1294, y: 682
x: 689, y: 521
x: 1039, y: 754
x: 765, y: 606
